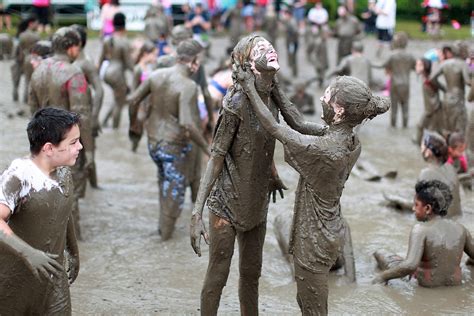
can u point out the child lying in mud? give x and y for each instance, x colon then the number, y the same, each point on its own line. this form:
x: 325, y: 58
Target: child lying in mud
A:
x: 324, y: 164
x: 436, y: 243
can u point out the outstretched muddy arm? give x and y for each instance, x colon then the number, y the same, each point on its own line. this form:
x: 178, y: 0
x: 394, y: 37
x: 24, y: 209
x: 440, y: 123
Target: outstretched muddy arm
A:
x: 79, y: 102
x: 188, y: 98
x: 93, y: 79
x: 348, y: 254
x: 412, y: 261
x: 469, y: 248
x: 292, y: 116
x: 135, y: 98
x: 280, y: 132
x: 341, y: 69
x: 227, y: 127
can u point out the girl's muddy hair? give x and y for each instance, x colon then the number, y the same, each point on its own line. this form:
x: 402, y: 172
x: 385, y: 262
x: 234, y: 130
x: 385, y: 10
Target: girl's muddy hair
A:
x: 357, y: 100
x: 146, y: 48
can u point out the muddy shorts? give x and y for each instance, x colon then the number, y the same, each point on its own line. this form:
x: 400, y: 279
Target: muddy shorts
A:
x: 171, y: 161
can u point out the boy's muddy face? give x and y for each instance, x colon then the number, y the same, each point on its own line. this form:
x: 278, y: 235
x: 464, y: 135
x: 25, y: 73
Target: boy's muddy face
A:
x: 67, y: 151
x: 264, y: 58
x: 421, y: 210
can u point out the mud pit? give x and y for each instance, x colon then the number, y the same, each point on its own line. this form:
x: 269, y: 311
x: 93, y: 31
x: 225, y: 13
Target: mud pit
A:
x: 125, y: 269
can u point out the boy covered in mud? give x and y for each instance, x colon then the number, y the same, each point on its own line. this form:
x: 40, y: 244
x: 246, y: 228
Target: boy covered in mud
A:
x: 172, y: 122
x: 436, y: 244
x: 456, y: 74
x: 398, y: 66
x: 36, y: 222
x: 57, y: 82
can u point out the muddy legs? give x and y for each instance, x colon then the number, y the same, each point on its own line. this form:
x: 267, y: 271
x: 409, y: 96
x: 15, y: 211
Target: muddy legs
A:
x: 312, y: 290
x: 221, y: 249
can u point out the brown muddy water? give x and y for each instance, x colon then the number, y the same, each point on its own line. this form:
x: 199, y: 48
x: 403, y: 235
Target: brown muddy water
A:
x: 126, y: 269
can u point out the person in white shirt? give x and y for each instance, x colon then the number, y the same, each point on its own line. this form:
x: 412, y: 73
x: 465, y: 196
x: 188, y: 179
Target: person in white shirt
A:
x: 386, y: 12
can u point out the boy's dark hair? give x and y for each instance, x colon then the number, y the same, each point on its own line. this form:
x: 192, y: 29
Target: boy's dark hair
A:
x: 447, y: 50
x: 455, y: 139
x: 119, y: 21
x: 115, y: 2
x: 426, y: 66
x: 64, y: 38
x: 49, y: 125
x: 82, y: 33
x: 435, y: 193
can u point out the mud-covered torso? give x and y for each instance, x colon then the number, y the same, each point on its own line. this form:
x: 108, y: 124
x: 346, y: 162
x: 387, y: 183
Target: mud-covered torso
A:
x: 51, y: 81
x: 443, y: 250
x: 347, y: 27
x: 447, y: 175
x: 453, y: 70
x: 155, y: 27
x: 41, y: 205
x: 117, y: 52
x: 26, y: 41
x: 87, y: 67
x: 41, y: 210
x: 166, y: 115
x: 324, y: 167
x: 400, y: 64
x: 360, y: 68
x: 240, y: 194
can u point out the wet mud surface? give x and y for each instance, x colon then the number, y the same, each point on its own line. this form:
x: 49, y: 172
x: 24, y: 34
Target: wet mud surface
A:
x: 126, y: 269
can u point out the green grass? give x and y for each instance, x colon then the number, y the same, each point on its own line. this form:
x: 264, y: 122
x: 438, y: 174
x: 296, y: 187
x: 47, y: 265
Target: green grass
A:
x: 413, y: 29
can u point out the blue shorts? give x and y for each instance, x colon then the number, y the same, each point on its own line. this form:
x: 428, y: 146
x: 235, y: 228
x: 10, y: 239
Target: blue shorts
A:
x: 171, y: 162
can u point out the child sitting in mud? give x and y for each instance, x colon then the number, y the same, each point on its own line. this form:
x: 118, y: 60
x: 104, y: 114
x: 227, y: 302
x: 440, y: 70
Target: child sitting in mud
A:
x: 436, y: 243
x: 36, y: 221
x: 434, y: 151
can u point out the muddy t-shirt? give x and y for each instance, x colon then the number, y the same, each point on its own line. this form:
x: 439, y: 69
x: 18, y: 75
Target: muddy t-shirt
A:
x: 22, y: 177
x: 240, y: 194
x: 317, y: 235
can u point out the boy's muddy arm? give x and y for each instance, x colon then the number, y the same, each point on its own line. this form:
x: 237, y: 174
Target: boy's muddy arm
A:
x: 348, y: 254
x: 207, y: 97
x: 434, y: 76
x: 79, y: 102
x: 398, y: 201
x: 469, y: 248
x: 94, y: 80
x: 187, y: 98
x: 33, y: 101
x: 213, y: 169
x: 133, y: 101
x: 292, y: 116
x: 39, y: 262
x: 412, y: 261
x: 73, y: 249
x: 340, y: 69
x: 101, y: 58
x: 196, y: 136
